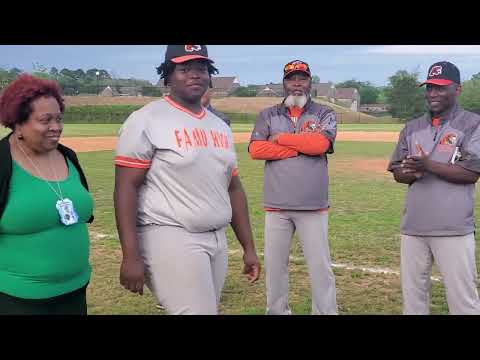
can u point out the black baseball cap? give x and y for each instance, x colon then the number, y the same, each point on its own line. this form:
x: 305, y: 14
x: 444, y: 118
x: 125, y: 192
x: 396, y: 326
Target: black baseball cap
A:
x: 442, y: 73
x: 296, y: 65
x: 182, y: 53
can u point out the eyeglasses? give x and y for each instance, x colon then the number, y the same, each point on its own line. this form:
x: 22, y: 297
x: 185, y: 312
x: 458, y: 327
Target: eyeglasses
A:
x: 296, y: 66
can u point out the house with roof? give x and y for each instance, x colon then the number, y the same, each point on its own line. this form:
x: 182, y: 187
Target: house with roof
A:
x: 324, y: 90
x: 348, y: 97
x: 270, y: 90
x: 224, y: 86
x: 111, y: 91
x: 108, y: 92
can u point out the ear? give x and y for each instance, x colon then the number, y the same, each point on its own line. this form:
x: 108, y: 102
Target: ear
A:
x: 458, y: 90
x: 18, y: 131
x: 168, y: 82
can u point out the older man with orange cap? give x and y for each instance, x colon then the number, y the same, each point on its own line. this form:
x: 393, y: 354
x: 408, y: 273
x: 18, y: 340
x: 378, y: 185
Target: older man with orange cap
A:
x: 294, y: 138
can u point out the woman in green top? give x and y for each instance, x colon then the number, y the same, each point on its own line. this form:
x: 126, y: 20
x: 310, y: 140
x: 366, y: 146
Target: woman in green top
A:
x: 44, y: 206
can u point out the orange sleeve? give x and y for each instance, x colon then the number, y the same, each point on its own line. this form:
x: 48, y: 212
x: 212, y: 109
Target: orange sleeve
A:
x: 306, y: 143
x: 132, y: 163
x: 266, y: 150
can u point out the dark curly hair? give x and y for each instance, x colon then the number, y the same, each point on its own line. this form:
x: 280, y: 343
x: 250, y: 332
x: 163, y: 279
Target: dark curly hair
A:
x: 167, y: 68
x: 16, y: 98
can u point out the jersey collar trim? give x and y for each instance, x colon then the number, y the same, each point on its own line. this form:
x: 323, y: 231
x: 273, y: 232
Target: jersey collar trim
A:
x: 181, y: 108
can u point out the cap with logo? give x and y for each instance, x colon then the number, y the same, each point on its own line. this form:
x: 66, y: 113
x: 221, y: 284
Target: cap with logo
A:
x: 182, y: 53
x: 296, y: 65
x: 442, y: 73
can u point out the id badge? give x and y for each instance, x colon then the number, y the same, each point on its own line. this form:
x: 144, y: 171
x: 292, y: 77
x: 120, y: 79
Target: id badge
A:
x: 456, y: 155
x: 68, y: 215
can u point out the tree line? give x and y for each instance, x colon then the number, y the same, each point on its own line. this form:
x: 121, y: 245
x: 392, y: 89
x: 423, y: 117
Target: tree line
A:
x: 405, y: 99
x: 75, y: 82
x: 402, y: 95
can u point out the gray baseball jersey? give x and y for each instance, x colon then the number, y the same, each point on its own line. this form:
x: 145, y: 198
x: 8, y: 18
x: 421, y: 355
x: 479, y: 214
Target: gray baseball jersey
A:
x: 436, y: 207
x: 191, y: 159
x: 301, y: 182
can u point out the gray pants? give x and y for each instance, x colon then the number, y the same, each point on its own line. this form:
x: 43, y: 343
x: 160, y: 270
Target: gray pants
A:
x: 312, y: 228
x: 455, y: 259
x: 184, y: 271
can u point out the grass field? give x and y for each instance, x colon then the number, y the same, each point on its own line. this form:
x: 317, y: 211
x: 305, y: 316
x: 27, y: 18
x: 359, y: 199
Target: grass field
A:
x: 74, y: 130
x: 228, y: 104
x: 257, y: 104
x: 364, y: 223
x: 241, y: 105
x: 71, y: 130
x: 105, y: 100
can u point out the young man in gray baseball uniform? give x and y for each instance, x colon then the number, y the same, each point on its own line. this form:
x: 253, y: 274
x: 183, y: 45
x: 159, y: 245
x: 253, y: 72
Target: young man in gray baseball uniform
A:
x: 438, y: 156
x: 177, y: 189
x: 294, y: 138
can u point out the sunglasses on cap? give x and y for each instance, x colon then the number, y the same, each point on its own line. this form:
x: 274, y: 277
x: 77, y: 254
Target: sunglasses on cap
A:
x: 301, y: 66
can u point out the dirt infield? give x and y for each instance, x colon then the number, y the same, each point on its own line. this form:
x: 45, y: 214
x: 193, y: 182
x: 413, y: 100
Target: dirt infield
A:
x: 380, y: 136
x: 87, y: 144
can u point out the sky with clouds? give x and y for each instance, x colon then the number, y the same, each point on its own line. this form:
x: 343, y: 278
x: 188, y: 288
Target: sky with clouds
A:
x: 252, y: 64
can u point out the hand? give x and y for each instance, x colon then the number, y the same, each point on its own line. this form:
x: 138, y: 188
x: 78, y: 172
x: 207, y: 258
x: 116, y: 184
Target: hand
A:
x: 274, y: 138
x: 407, y: 169
x: 132, y: 274
x: 416, y: 165
x: 252, y: 266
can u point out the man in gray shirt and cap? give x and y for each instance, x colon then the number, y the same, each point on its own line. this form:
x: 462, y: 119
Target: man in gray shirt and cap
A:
x: 438, y: 156
x: 294, y: 138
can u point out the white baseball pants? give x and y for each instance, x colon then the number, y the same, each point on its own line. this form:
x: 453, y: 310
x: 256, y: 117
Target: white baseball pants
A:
x: 184, y: 271
x: 455, y: 259
x: 312, y: 228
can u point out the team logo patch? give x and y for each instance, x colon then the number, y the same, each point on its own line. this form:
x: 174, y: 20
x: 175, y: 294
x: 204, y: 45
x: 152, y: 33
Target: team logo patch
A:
x: 435, y: 71
x: 310, y: 126
x: 449, y: 139
x: 192, y: 48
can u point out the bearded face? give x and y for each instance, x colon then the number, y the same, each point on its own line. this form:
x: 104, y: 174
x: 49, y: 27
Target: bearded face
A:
x: 297, y: 89
x: 296, y: 100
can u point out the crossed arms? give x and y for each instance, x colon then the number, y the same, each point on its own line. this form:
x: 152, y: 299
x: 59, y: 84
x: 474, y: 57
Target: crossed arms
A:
x: 284, y: 145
